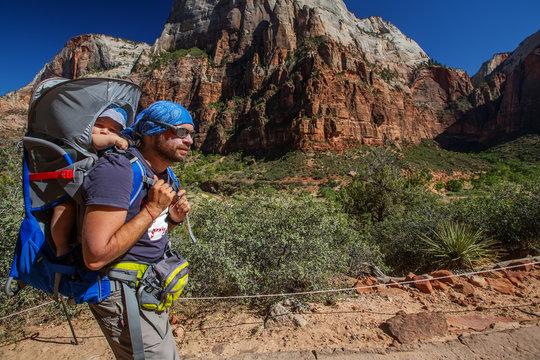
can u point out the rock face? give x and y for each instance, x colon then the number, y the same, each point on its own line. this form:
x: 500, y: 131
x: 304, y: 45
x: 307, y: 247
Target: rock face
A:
x: 505, y: 104
x: 265, y: 75
x: 295, y: 74
x: 89, y: 54
x: 82, y: 56
x: 274, y: 28
x: 489, y: 67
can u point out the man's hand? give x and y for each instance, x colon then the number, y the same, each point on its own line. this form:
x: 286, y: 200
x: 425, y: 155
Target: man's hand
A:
x: 179, y: 209
x: 160, y: 197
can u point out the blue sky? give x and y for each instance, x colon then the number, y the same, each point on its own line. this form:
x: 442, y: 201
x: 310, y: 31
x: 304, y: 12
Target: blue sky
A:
x: 460, y: 34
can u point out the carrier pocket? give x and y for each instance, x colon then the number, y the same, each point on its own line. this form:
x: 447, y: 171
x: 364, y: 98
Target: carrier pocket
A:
x: 163, y: 283
x: 157, y: 285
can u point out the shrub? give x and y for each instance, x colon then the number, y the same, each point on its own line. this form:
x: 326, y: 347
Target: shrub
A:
x: 157, y: 61
x: 328, y: 193
x: 272, y: 245
x: 379, y: 188
x: 456, y: 246
x: 508, y: 213
x: 453, y: 185
x: 399, y: 235
x: 11, y: 203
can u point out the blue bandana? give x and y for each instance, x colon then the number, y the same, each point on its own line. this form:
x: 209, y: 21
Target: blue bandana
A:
x: 164, y: 111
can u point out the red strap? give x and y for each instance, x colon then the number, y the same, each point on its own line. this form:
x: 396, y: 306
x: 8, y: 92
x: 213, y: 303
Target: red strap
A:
x: 63, y: 174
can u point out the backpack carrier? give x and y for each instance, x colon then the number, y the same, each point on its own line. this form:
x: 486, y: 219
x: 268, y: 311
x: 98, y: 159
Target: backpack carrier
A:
x: 57, y: 155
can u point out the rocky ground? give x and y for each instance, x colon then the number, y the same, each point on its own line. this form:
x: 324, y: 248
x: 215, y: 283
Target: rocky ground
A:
x: 492, y: 315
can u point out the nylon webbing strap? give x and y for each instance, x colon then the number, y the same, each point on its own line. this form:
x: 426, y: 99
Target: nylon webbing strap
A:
x: 188, y: 226
x: 120, y: 276
x: 134, y: 322
x: 62, y: 174
x: 148, y: 180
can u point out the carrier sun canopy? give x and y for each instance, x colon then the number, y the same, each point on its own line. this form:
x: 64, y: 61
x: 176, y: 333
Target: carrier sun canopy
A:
x: 66, y: 110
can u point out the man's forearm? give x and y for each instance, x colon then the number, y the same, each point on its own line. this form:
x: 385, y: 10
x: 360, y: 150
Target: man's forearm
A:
x: 101, y: 243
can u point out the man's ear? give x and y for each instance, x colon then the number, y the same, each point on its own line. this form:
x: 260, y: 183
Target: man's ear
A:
x: 149, y: 141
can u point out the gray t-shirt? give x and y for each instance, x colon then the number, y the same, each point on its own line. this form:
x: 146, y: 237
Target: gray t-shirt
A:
x: 110, y: 183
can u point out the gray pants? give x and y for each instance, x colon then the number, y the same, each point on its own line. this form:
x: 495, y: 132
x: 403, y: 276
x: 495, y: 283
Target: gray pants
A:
x: 159, y: 342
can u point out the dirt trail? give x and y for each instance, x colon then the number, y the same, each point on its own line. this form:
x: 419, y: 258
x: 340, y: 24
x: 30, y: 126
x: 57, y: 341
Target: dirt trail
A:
x: 483, y: 323
x: 516, y: 344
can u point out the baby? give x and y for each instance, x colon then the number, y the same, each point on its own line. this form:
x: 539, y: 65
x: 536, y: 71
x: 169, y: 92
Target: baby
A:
x: 105, y: 134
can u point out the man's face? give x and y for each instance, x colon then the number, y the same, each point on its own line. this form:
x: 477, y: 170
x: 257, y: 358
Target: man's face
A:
x: 171, y: 147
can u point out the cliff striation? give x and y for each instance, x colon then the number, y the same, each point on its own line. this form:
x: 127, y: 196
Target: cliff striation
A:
x: 296, y: 74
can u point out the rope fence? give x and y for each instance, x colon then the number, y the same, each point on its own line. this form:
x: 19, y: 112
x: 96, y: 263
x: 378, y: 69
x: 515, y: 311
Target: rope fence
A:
x: 26, y: 310
x: 358, y: 287
x: 261, y: 296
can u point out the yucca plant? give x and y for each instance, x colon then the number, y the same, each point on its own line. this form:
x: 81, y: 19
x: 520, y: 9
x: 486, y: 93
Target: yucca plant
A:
x: 456, y: 246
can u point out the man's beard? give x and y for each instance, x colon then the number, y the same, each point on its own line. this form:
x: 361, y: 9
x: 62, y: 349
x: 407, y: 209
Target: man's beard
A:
x: 165, y: 152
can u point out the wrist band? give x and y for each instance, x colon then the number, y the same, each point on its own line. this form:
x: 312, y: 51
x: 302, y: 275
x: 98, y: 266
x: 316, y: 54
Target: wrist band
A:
x: 171, y: 221
x: 148, y: 209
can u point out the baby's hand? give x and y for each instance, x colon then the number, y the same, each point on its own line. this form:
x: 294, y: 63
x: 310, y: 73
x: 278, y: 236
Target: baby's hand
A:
x: 121, y: 143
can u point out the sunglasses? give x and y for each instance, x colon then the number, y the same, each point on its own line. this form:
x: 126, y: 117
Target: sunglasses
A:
x: 179, y: 131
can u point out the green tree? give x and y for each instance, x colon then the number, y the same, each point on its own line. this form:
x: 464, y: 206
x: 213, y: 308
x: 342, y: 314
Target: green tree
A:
x: 379, y: 188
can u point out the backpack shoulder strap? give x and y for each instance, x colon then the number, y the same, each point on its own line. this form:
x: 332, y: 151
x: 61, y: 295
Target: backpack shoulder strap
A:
x: 176, y: 183
x: 139, y: 176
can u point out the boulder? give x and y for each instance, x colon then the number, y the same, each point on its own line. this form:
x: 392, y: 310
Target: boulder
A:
x: 522, y: 265
x: 422, y: 283
x: 438, y: 285
x: 409, y: 277
x: 478, y: 281
x: 443, y: 273
x: 393, y: 284
x: 502, y: 285
x: 409, y: 328
x: 465, y: 288
x: 362, y: 286
x: 520, y: 275
x: 279, y: 315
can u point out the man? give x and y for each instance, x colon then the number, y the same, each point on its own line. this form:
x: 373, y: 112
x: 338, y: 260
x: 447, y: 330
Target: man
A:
x: 114, y: 230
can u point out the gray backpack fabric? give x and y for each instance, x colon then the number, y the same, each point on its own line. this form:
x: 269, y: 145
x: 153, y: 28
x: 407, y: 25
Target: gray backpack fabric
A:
x: 61, y: 116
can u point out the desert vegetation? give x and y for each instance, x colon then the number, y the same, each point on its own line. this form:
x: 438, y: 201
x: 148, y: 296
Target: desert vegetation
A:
x: 300, y: 221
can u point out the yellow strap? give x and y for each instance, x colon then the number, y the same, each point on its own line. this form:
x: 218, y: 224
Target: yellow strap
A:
x: 130, y: 266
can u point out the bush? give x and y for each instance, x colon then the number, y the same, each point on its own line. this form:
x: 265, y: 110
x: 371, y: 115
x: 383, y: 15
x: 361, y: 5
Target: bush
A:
x: 379, y: 188
x: 508, y: 213
x: 399, y: 236
x: 439, y: 186
x: 453, y: 185
x: 157, y: 61
x: 272, y: 245
x: 11, y: 204
x: 456, y: 246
